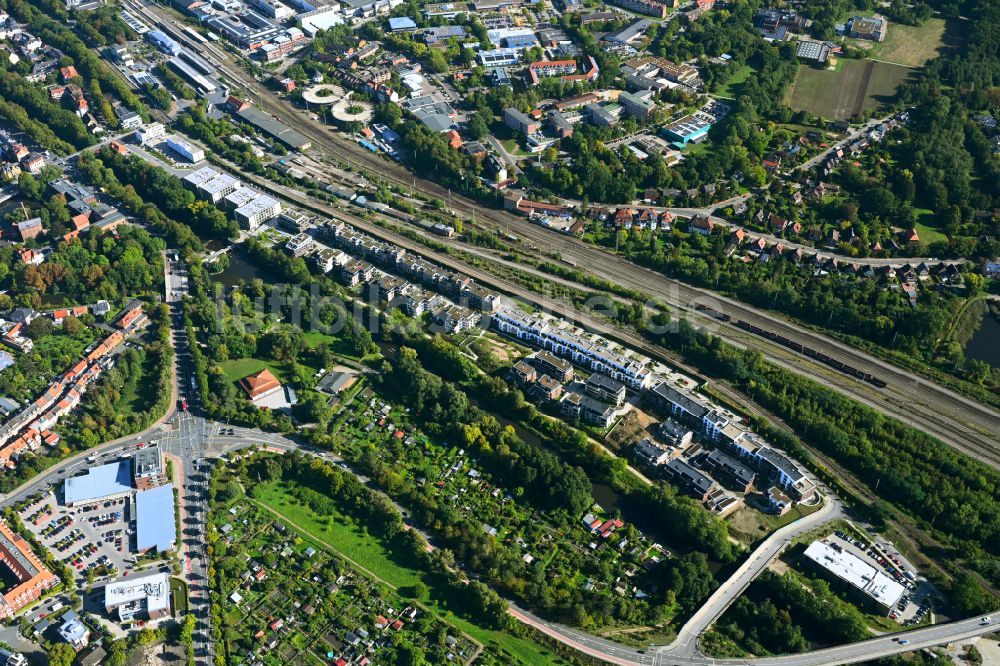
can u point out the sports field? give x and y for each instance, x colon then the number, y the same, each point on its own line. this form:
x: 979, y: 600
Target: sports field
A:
x: 855, y: 86
x: 912, y: 45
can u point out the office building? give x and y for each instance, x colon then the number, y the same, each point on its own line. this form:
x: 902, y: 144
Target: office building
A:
x: 212, y: 185
x: 186, y: 149
x: 876, y: 588
x: 148, y: 469
x: 145, y: 597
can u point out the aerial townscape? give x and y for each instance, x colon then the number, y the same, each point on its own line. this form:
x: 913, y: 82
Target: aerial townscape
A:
x: 500, y: 332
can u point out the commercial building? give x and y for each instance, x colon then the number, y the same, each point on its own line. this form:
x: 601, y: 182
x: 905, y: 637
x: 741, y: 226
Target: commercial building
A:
x: 31, y: 576
x: 99, y: 484
x: 147, y: 596
x: 185, y: 149
x: 155, y: 525
x: 687, y: 129
x: 876, y: 588
x: 256, y: 212
x: 151, y: 134
x: 148, y: 469
x: 322, y: 18
x: 248, y: 31
x: 211, y: 185
x: 272, y: 9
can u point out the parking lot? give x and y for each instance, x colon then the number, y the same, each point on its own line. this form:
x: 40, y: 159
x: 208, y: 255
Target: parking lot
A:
x: 83, y: 537
x: 916, y: 602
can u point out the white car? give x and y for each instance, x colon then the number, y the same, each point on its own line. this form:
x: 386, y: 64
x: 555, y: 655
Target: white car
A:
x: 986, y: 620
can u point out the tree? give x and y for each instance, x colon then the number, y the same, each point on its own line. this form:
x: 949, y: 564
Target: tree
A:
x: 39, y: 328
x: 73, y: 326
x: 62, y: 654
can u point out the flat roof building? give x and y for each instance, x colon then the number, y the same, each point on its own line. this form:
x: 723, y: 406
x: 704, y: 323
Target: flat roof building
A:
x: 688, y: 128
x: 100, y: 483
x: 812, y: 51
x: 212, y: 185
x: 186, y: 149
x: 131, y: 597
x: 148, y: 468
x: 277, y: 129
x: 851, y: 569
x: 156, y: 527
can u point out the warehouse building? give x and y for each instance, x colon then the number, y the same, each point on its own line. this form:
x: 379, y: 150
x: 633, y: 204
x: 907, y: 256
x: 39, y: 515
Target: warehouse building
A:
x: 156, y: 528
x: 186, y: 149
x: 99, y: 484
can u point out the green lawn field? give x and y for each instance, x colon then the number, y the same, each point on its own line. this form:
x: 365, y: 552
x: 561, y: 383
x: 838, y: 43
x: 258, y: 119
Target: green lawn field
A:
x: 238, y: 368
x: 912, y: 46
x: 855, y: 86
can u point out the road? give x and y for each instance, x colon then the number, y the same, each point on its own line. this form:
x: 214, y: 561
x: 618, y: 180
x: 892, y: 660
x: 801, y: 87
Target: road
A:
x: 686, y: 642
x: 848, y: 140
x: 958, y: 421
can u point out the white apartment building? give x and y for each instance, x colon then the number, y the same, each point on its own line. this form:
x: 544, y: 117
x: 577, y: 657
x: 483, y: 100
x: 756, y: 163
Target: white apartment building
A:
x: 590, y: 351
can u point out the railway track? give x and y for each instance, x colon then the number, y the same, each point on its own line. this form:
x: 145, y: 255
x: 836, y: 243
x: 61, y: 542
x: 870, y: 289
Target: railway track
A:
x: 784, y: 357
x: 961, y: 422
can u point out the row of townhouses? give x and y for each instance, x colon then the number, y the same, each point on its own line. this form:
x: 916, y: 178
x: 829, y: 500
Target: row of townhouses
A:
x: 588, y: 350
x: 31, y: 427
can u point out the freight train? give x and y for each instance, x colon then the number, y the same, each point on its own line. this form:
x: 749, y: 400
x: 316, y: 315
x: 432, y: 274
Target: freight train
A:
x: 793, y: 345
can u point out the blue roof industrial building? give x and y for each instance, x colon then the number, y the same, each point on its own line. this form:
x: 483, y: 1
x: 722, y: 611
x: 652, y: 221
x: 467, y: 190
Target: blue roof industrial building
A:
x: 99, y: 483
x: 154, y: 523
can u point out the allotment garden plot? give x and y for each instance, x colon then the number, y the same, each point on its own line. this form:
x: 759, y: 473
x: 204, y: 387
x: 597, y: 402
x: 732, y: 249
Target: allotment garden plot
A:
x: 295, y: 602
